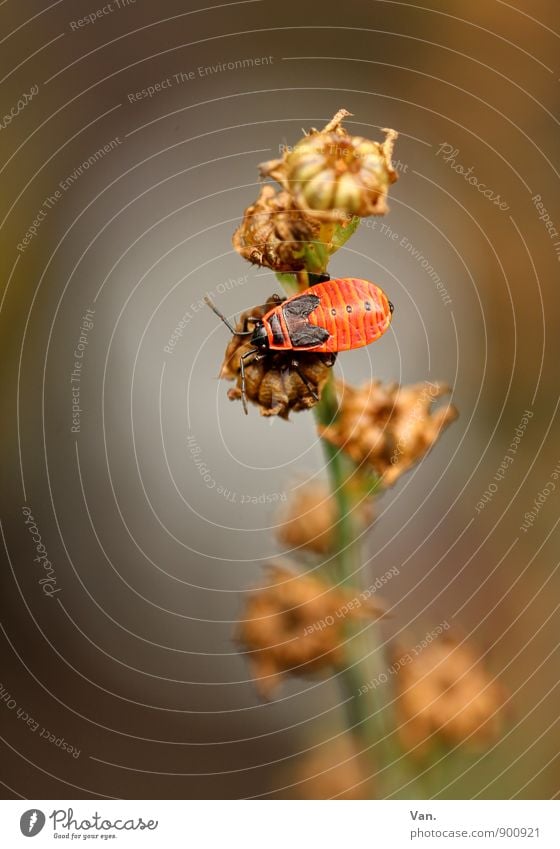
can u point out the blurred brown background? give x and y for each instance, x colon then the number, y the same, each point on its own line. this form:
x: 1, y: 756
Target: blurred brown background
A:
x: 131, y: 660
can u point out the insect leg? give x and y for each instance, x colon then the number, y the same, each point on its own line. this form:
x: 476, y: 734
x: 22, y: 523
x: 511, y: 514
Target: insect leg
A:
x: 304, y: 380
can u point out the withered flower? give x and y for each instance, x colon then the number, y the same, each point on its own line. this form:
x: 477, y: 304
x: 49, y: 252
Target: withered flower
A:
x: 274, y: 233
x: 334, y: 770
x: 331, y: 173
x: 445, y: 691
x: 272, y: 382
x: 309, y: 518
x: 389, y: 427
x: 296, y: 625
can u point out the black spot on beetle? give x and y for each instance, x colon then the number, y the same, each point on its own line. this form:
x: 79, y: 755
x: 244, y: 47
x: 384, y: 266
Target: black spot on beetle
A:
x: 368, y: 306
x: 333, y: 311
x: 348, y: 308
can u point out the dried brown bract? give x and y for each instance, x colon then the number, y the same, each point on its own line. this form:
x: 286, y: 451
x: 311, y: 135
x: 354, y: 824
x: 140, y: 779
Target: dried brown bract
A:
x: 273, y: 383
x: 330, y: 172
x: 296, y: 625
x: 274, y: 233
x: 445, y: 691
x: 310, y: 517
x: 388, y: 426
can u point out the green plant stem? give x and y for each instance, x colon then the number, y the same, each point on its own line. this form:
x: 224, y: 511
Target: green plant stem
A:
x: 364, y: 711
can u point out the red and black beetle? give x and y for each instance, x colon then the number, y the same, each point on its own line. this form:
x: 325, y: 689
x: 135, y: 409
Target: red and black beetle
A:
x: 331, y: 316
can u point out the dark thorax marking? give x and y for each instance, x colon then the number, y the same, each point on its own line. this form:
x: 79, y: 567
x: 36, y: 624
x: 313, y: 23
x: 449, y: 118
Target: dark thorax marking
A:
x: 302, y: 334
x: 276, y: 328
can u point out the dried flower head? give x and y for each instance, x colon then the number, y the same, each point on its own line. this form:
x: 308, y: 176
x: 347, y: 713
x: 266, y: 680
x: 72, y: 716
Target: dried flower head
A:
x: 273, y: 383
x: 389, y: 427
x: 334, y: 770
x: 274, y: 233
x: 296, y: 625
x: 310, y: 516
x: 444, y: 691
x: 332, y: 173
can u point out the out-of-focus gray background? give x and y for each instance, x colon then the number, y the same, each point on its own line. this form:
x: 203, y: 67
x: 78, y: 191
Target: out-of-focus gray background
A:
x: 131, y: 661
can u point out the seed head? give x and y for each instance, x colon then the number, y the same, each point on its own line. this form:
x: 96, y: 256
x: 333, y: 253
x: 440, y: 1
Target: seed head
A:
x: 310, y: 516
x: 274, y: 233
x: 445, y: 691
x: 332, y: 174
x: 387, y: 426
x: 295, y: 625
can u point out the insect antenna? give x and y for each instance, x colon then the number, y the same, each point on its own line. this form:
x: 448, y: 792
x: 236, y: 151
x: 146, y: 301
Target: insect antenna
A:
x: 230, y: 327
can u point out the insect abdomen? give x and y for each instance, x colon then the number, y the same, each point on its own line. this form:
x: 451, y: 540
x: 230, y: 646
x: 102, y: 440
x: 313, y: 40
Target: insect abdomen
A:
x: 355, y: 312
